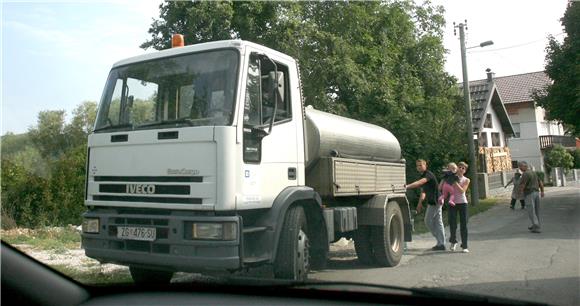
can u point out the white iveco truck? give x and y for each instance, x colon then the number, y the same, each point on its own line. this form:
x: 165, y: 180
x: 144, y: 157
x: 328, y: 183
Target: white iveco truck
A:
x: 204, y: 158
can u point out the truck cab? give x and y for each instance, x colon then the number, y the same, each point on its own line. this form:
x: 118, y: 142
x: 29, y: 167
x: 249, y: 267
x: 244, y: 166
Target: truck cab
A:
x: 199, y: 161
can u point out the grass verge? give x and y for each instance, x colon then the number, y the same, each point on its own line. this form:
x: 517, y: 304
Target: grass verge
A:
x: 484, y: 205
x: 94, y: 276
x: 54, y: 239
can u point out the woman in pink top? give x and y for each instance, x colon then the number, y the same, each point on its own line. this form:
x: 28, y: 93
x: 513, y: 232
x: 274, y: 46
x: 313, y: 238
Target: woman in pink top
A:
x: 461, y: 207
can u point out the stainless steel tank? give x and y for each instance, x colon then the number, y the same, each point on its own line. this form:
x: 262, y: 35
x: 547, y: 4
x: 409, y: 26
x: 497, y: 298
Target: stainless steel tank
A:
x: 331, y: 135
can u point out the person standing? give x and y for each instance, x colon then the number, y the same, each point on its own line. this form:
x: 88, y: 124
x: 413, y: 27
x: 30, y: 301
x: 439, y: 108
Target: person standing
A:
x: 516, y: 194
x: 460, y: 207
x: 429, y: 194
x: 530, y: 184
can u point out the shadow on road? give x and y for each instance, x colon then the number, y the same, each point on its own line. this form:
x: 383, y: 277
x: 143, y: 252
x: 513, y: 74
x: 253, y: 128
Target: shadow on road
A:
x: 346, y: 264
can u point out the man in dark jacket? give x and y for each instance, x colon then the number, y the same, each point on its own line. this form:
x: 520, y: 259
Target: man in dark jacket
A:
x: 429, y: 194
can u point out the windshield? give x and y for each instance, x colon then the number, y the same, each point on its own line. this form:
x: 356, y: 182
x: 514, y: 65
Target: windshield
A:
x: 192, y: 90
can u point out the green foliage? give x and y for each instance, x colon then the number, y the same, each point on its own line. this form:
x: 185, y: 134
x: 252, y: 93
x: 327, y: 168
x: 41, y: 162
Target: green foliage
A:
x: 14, y: 143
x: 94, y: 276
x: 562, y: 98
x: 45, y: 238
x: 82, y: 124
x: 380, y: 62
x: 48, y: 136
x: 576, y: 155
x: 43, y: 173
x: 24, y: 195
x: 559, y: 157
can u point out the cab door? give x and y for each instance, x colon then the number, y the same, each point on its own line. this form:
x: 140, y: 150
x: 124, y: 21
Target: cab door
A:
x: 270, y: 159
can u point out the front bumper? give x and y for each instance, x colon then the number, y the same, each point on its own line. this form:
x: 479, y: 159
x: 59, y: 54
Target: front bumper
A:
x: 171, y: 250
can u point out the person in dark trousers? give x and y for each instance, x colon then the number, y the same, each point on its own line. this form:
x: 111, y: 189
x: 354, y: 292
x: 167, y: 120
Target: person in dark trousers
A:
x: 460, y: 206
x: 429, y: 194
x: 530, y: 184
x: 516, y: 195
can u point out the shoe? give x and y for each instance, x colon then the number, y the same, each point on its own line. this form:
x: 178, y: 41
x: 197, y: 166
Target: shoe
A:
x: 453, y: 247
x: 531, y: 228
x: 465, y: 251
x: 438, y: 248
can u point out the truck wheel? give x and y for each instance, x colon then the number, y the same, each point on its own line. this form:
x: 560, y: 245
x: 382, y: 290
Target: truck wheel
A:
x: 387, y: 241
x: 293, y: 258
x: 362, y: 245
x: 318, y: 258
x: 150, y: 277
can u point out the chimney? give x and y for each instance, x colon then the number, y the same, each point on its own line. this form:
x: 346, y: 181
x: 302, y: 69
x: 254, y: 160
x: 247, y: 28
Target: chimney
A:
x: 489, y: 75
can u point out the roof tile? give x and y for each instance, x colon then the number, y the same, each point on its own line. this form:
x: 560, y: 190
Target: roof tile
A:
x: 518, y: 88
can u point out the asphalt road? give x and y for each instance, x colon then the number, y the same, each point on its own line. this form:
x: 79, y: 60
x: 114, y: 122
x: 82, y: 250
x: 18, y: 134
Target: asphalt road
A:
x: 506, y: 260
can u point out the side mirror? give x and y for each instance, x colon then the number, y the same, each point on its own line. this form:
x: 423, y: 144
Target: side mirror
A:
x: 259, y: 133
x: 276, y: 83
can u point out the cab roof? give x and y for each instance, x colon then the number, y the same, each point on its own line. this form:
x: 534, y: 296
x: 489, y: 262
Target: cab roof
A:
x: 221, y: 44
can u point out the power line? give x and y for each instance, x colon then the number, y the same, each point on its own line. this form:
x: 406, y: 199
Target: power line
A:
x: 515, y: 46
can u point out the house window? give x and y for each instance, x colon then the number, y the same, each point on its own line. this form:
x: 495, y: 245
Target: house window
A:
x: 487, y: 123
x: 483, y: 140
x: 495, y: 140
x: 516, y: 127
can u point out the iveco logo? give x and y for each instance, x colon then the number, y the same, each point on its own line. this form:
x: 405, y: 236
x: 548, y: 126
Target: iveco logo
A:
x: 141, y: 188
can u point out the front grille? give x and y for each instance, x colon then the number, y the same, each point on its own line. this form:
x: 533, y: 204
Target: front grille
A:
x: 147, y: 199
x: 143, y: 189
x: 158, y: 246
x: 159, y: 189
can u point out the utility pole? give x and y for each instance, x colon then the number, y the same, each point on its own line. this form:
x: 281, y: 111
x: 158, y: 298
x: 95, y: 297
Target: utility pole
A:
x: 472, y: 170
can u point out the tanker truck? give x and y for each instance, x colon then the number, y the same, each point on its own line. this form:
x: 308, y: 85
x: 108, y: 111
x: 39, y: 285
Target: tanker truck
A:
x: 203, y: 158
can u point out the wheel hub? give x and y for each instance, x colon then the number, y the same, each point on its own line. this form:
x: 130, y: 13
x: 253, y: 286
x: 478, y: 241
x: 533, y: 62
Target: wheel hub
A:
x: 395, y: 234
x: 302, y: 258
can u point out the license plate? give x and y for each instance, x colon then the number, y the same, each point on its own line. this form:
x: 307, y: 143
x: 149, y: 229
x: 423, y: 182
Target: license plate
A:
x: 136, y: 233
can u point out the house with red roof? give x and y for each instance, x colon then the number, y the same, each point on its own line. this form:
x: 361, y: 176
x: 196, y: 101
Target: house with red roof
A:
x: 533, y: 135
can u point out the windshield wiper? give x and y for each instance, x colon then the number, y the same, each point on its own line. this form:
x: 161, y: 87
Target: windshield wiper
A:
x: 118, y: 126
x: 188, y: 121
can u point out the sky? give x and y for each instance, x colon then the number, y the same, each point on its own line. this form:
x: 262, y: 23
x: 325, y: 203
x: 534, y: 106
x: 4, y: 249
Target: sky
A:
x: 57, y: 54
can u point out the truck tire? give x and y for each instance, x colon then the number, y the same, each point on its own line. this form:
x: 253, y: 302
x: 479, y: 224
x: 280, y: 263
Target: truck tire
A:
x: 150, y: 277
x: 387, y: 241
x: 362, y: 245
x: 293, y: 258
x: 318, y: 259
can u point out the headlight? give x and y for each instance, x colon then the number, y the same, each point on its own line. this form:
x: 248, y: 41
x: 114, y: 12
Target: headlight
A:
x: 91, y: 225
x: 215, y: 231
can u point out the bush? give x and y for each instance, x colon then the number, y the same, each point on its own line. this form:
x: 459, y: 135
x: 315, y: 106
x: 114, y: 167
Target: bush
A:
x: 7, y: 221
x: 559, y: 157
x: 24, y: 195
x: 29, y: 200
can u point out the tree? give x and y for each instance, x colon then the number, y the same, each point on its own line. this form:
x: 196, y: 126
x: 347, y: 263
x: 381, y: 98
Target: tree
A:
x: 48, y: 136
x: 82, y: 123
x: 380, y: 62
x: 43, y: 172
x: 577, y: 158
x: 559, y: 157
x: 562, y: 98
